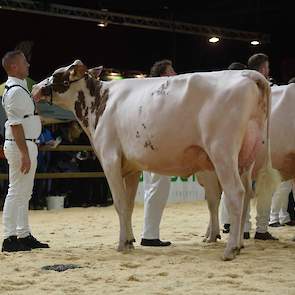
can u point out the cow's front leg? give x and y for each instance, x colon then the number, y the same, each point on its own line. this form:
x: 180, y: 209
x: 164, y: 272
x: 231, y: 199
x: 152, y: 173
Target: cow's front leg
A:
x: 212, y: 188
x: 121, y: 192
x: 131, y: 183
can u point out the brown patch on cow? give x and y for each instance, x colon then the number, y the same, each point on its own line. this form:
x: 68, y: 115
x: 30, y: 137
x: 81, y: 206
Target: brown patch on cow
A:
x: 81, y: 109
x: 287, y: 169
x: 100, y: 98
x: 262, y: 103
x: 58, y: 82
x: 149, y: 144
x: 162, y: 90
x: 85, y: 119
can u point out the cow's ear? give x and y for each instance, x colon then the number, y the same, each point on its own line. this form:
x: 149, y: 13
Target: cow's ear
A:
x: 77, y: 71
x: 95, y: 72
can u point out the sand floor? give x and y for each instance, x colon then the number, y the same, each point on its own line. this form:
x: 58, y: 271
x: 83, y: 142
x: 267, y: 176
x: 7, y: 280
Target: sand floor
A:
x: 88, y: 237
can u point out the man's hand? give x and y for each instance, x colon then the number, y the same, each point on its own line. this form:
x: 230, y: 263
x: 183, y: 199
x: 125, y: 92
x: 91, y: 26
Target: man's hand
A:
x: 25, y: 163
x: 19, y: 136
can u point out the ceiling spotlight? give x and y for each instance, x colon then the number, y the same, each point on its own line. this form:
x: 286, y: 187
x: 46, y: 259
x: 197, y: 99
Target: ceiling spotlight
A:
x: 102, y: 23
x: 255, y: 42
x: 213, y: 39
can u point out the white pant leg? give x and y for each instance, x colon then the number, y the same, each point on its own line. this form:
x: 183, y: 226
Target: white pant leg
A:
x: 248, y: 224
x: 16, y: 206
x: 263, y: 208
x: 223, y: 211
x: 155, y: 198
x: 284, y: 215
x: 279, y: 203
x: 225, y: 217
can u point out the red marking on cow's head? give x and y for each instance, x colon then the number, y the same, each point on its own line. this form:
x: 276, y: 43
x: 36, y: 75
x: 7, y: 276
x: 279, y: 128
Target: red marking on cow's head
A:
x: 55, y: 87
x: 95, y: 72
x: 81, y: 109
x: 69, y: 87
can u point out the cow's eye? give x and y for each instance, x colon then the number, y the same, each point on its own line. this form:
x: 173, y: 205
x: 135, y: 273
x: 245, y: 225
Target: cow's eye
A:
x: 66, y: 83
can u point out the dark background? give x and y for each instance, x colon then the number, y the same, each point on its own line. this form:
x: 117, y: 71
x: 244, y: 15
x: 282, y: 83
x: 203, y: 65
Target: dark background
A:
x: 58, y: 41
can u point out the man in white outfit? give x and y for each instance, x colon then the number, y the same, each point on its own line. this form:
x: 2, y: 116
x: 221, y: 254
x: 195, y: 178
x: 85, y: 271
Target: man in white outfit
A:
x: 279, y: 215
x: 22, y: 128
x: 260, y: 62
x: 156, y: 187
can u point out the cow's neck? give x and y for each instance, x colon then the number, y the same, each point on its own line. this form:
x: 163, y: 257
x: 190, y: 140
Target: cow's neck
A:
x: 90, y: 103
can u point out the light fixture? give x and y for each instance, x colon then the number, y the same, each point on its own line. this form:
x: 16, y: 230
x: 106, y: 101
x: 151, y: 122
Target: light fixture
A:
x: 102, y: 23
x: 213, y: 39
x: 110, y: 74
x: 255, y: 42
x: 140, y: 76
x: 134, y: 74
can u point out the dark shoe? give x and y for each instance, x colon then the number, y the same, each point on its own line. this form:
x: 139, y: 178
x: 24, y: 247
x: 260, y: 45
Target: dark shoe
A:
x: 32, y: 242
x: 276, y: 224
x: 226, y: 228
x: 154, y: 243
x: 290, y: 223
x: 264, y: 236
x: 12, y: 244
x: 246, y: 235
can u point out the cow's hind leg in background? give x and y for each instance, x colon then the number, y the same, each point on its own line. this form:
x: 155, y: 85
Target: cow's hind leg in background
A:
x: 249, y: 193
x: 210, y: 183
x: 123, y: 191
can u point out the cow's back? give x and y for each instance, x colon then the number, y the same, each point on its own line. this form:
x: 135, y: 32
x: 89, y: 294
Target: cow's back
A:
x: 283, y: 129
x: 158, y: 119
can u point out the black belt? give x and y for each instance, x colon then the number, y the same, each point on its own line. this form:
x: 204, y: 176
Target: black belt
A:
x: 30, y: 139
x: 27, y: 116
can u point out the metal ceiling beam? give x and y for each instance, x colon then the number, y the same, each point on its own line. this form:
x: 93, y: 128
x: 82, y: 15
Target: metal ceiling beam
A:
x: 78, y: 13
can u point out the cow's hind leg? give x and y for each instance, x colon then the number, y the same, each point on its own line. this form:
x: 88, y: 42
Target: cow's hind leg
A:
x: 209, y: 181
x: 247, y: 182
x: 226, y: 167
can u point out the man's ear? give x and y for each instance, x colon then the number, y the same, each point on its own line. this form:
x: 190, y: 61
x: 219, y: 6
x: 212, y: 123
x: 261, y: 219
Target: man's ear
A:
x: 77, y: 71
x: 95, y: 72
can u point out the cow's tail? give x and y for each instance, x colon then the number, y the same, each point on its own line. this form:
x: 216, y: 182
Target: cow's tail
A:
x: 268, y: 178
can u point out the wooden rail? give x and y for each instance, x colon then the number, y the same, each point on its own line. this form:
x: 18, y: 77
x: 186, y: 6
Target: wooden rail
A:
x: 55, y: 175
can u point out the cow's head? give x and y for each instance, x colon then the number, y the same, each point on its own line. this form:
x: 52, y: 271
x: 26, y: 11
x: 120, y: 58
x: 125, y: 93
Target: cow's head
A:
x: 59, y: 87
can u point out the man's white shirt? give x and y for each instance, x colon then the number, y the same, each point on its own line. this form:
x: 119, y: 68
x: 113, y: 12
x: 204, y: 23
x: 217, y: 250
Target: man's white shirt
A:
x: 18, y: 104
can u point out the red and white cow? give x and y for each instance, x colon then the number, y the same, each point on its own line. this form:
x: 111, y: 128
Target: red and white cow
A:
x: 282, y: 142
x: 169, y: 125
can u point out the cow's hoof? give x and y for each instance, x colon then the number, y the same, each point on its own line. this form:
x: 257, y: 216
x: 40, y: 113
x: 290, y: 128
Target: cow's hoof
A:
x: 212, y: 239
x: 242, y: 247
x: 129, y: 244
x: 125, y: 246
x: 230, y: 254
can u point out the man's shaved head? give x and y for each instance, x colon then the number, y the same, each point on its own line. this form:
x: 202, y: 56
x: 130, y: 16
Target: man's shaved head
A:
x: 9, y: 58
x: 15, y: 64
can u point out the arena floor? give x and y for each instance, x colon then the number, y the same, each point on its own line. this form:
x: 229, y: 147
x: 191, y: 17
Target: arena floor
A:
x: 88, y: 237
